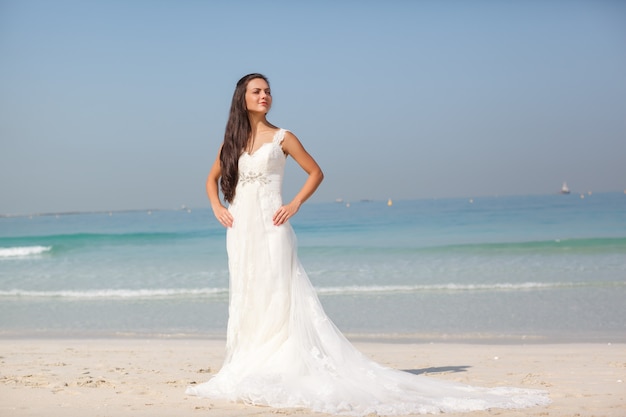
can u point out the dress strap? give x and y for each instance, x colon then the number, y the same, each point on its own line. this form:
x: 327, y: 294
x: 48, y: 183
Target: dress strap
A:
x: 279, y: 136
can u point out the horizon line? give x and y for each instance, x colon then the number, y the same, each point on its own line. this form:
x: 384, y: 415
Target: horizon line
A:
x: 338, y: 200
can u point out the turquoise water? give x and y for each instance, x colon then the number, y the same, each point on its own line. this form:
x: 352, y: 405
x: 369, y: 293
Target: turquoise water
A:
x: 547, y: 268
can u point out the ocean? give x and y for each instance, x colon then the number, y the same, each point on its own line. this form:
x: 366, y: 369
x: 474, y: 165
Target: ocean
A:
x: 545, y: 268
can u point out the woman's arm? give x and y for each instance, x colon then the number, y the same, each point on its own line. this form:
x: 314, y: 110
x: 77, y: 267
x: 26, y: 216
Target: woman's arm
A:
x: 292, y: 146
x: 212, y: 189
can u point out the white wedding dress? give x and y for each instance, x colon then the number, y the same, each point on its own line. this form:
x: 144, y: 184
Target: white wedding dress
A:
x: 283, y: 351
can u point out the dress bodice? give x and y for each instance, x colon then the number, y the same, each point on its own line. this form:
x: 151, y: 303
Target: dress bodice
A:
x: 262, y: 170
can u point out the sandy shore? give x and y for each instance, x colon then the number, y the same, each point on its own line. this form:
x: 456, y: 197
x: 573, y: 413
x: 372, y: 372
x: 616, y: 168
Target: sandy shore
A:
x: 124, y: 377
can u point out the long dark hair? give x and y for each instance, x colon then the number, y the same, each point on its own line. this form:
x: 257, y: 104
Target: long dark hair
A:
x: 235, y: 137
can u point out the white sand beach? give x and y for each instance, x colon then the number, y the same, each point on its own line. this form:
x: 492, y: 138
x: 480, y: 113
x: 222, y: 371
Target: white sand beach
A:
x: 147, y: 377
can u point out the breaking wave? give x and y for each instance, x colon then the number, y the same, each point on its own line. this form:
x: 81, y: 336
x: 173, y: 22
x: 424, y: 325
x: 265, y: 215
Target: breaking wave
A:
x: 222, y: 293
x: 21, y: 251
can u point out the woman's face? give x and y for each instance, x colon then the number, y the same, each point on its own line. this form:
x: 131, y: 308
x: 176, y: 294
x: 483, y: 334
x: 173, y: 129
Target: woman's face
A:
x: 258, y: 96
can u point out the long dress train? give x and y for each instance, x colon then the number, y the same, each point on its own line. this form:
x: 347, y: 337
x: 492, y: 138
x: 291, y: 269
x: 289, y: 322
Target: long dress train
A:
x: 283, y: 351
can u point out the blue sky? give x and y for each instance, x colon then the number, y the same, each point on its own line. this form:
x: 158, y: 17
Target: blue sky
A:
x: 108, y: 105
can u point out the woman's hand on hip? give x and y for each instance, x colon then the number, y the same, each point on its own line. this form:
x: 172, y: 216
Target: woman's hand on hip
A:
x: 223, y: 216
x: 285, y: 212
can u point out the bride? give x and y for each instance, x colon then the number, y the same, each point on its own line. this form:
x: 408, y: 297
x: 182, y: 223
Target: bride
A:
x: 282, y: 350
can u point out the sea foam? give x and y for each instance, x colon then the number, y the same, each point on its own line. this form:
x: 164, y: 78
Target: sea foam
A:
x: 217, y: 293
x: 21, y: 251
x: 156, y: 293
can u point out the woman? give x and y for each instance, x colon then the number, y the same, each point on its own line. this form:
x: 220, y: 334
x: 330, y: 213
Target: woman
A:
x: 281, y: 348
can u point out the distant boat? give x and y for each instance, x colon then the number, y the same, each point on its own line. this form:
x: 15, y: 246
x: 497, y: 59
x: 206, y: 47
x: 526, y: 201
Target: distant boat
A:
x: 565, y: 189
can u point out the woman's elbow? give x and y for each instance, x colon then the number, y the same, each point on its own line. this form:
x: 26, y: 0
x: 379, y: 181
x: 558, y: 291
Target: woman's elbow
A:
x: 320, y: 175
